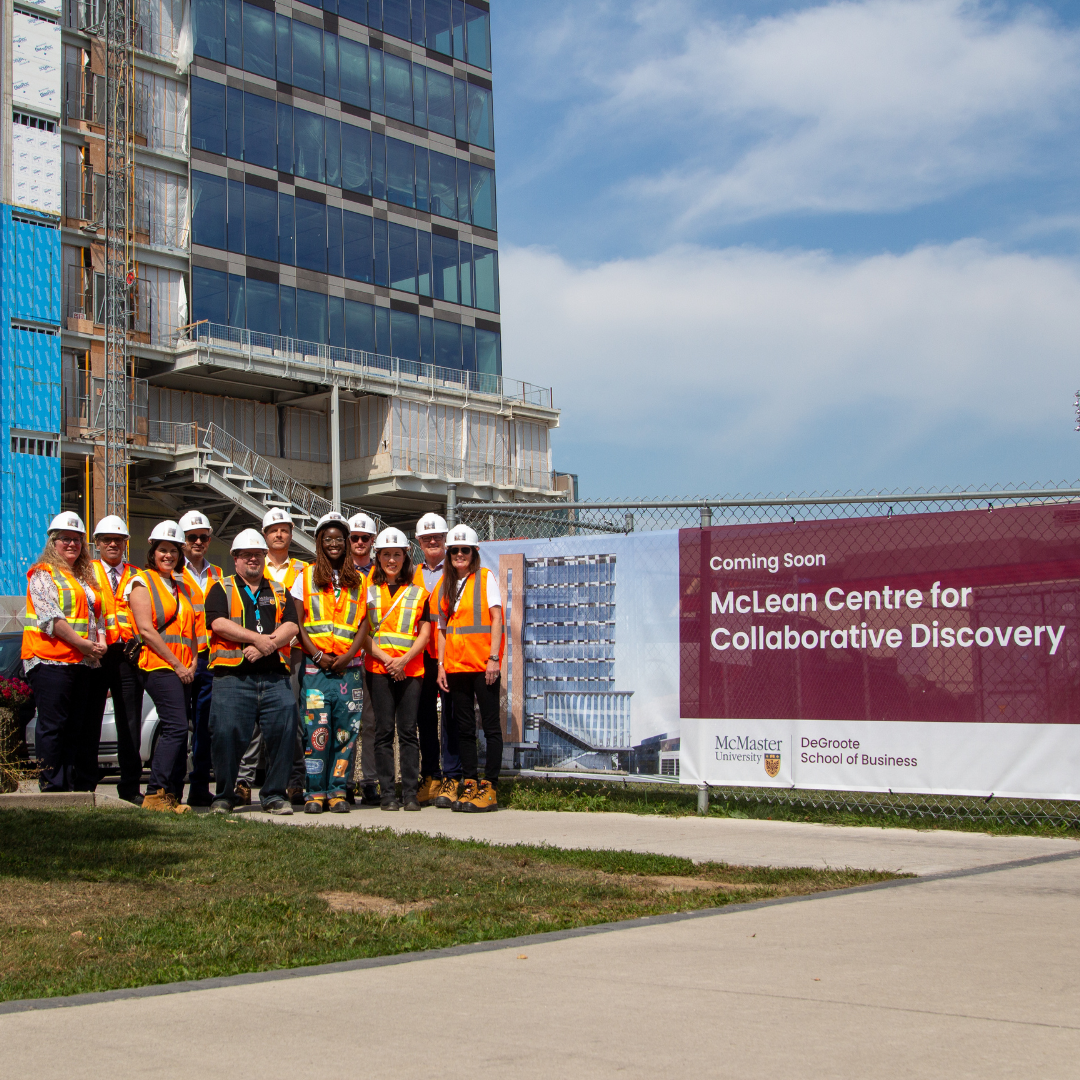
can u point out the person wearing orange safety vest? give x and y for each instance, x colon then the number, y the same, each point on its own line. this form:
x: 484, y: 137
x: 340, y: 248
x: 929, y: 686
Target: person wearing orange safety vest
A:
x: 470, y: 662
x: 362, y: 530
x: 252, y: 620
x: 199, y: 576
x: 277, y: 530
x: 62, y: 645
x: 164, y: 615
x: 438, y: 785
x: 332, y: 594
x: 118, y: 676
x: 396, y: 629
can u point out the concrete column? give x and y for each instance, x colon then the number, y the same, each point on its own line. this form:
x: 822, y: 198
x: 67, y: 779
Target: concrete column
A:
x: 334, y: 414
x: 451, y: 505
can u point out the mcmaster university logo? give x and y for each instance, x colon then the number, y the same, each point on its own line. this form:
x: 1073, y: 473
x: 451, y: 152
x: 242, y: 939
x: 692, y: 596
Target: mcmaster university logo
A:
x: 772, y: 764
x: 750, y: 749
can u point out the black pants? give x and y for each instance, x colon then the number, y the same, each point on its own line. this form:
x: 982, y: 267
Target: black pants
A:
x: 395, y: 705
x: 68, y: 731
x: 465, y: 687
x: 125, y: 682
x: 427, y: 723
x: 170, y: 696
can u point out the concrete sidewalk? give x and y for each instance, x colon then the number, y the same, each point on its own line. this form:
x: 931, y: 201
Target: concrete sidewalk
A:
x: 732, y: 840
x: 969, y: 975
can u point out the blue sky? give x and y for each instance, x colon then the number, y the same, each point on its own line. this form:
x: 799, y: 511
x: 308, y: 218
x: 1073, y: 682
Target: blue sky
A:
x: 780, y: 247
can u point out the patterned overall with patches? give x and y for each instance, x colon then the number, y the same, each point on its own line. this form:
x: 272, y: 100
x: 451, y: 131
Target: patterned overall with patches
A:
x: 332, y: 705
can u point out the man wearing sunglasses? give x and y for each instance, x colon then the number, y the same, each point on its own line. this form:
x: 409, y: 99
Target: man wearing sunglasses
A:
x: 362, y: 532
x: 199, y: 576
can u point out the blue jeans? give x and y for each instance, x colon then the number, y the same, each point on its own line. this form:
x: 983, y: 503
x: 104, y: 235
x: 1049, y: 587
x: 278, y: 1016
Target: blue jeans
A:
x: 202, y: 687
x: 239, y: 702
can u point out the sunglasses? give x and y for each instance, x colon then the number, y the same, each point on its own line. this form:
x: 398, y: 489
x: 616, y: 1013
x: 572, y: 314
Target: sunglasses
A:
x: 460, y: 551
x: 197, y: 538
x: 361, y: 538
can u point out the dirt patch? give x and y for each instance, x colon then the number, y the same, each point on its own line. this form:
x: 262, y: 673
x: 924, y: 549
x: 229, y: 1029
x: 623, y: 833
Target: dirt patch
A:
x: 25, y: 903
x: 672, y: 883
x: 372, y: 905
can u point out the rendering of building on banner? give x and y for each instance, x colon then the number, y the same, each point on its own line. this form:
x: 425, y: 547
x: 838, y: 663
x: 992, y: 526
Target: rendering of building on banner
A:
x: 561, y: 707
x: 309, y: 246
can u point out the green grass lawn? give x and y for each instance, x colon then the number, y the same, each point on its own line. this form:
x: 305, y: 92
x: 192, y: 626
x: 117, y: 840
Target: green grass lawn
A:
x: 569, y: 794
x: 99, y: 899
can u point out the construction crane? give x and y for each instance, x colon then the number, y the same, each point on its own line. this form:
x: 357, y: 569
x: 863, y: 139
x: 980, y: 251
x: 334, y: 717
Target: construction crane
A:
x: 118, y: 29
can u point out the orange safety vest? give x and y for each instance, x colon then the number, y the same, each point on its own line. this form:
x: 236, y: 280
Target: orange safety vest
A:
x: 468, y: 626
x: 433, y: 641
x: 75, y: 609
x: 198, y: 599
x: 178, y: 634
x: 226, y: 654
x: 331, y: 621
x: 394, y: 631
x: 119, y: 625
x: 293, y: 569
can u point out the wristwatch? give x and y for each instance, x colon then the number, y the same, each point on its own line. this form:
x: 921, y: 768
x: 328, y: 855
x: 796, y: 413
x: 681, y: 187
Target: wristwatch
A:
x: 495, y: 658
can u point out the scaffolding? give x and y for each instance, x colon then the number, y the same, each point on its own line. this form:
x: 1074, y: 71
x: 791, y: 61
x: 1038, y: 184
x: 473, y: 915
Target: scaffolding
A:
x: 120, y: 268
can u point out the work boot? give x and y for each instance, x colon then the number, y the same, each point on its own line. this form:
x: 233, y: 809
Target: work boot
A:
x: 314, y: 804
x: 242, y: 794
x: 371, y: 796
x: 164, y: 801
x: 483, y: 799
x: 429, y: 788
x: 200, y: 797
x: 468, y: 793
x: 339, y: 805
x: 295, y: 795
x: 448, y: 794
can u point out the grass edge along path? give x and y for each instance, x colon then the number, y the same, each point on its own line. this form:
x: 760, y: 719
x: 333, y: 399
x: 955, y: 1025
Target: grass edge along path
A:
x: 92, y: 900
x: 954, y: 813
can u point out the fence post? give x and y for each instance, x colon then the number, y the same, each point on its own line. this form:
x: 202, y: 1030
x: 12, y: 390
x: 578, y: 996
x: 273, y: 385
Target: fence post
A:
x: 703, y: 799
x: 706, y: 517
x: 451, y: 505
x: 629, y: 521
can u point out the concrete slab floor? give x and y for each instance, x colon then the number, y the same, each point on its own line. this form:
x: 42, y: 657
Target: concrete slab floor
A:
x: 971, y: 975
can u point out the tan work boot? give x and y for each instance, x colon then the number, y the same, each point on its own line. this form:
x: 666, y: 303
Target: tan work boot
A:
x: 468, y: 793
x: 242, y: 794
x: 428, y: 790
x: 447, y: 794
x: 164, y: 801
x: 482, y: 801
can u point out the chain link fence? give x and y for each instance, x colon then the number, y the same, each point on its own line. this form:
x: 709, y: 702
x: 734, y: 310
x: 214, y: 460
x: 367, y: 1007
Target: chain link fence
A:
x: 552, y: 520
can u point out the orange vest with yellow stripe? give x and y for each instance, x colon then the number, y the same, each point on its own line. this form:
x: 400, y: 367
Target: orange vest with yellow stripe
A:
x: 331, y: 621
x: 433, y: 641
x: 177, y: 634
x: 75, y: 609
x: 119, y: 625
x: 468, y: 625
x: 226, y: 654
x: 394, y: 631
x: 198, y: 599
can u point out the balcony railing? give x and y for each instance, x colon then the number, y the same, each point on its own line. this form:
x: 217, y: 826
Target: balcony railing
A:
x: 473, y: 472
x: 391, y: 368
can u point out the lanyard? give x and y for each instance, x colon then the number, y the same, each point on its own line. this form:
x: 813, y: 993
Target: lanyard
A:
x: 255, y: 601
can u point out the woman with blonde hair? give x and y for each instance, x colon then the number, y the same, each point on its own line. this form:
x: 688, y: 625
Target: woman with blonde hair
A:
x: 63, y: 641
x: 164, y: 613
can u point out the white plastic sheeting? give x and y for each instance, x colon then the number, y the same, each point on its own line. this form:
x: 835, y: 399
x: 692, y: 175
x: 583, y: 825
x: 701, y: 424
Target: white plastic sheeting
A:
x: 162, y: 303
x: 35, y: 59
x: 161, y: 200
x: 159, y: 25
x: 161, y: 112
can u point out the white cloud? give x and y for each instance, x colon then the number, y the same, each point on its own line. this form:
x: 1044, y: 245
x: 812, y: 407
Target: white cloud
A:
x: 879, y: 105
x: 715, y: 353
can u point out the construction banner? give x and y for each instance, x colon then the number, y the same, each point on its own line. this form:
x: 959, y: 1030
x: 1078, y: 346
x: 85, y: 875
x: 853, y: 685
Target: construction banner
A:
x: 935, y: 652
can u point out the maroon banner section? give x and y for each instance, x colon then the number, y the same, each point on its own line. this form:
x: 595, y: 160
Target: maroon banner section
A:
x: 971, y: 615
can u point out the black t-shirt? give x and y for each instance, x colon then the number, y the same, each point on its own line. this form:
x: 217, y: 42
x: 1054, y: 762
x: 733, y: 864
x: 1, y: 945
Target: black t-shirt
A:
x: 263, y: 621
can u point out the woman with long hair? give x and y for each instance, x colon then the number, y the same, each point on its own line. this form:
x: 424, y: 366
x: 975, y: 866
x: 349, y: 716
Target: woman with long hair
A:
x: 332, y: 690
x: 395, y: 632
x: 470, y: 662
x: 63, y: 643
x: 164, y: 613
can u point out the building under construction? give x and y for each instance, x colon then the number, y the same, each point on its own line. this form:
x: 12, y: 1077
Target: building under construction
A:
x: 249, y: 256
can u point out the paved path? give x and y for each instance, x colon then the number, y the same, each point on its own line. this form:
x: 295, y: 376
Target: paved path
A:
x: 733, y: 840
x: 974, y: 975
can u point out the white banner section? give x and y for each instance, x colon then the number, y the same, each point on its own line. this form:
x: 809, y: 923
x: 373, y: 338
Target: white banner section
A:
x: 1032, y: 761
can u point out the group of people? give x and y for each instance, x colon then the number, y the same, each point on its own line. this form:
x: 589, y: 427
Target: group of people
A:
x: 284, y: 662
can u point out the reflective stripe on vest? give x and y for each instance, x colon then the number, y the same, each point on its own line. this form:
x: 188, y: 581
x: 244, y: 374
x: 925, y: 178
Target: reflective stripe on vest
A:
x: 198, y: 599
x: 119, y: 625
x: 178, y: 634
x: 394, y: 628
x: 330, y: 621
x: 468, y: 626
x: 433, y: 641
x: 227, y: 654
x: 73, y: 607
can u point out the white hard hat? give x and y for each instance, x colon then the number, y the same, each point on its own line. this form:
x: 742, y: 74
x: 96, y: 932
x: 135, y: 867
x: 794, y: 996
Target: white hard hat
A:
x: 276, y: 516
x: 111, y: 525
x: 68, y: 521
x: 431, y: 525
x: 248, y: 540
x: 462, y: 535
x: 167, y: 530
x: 332, y: 518
x: 361, y: 523
x: 193, y: 520
x: 391, y: 538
